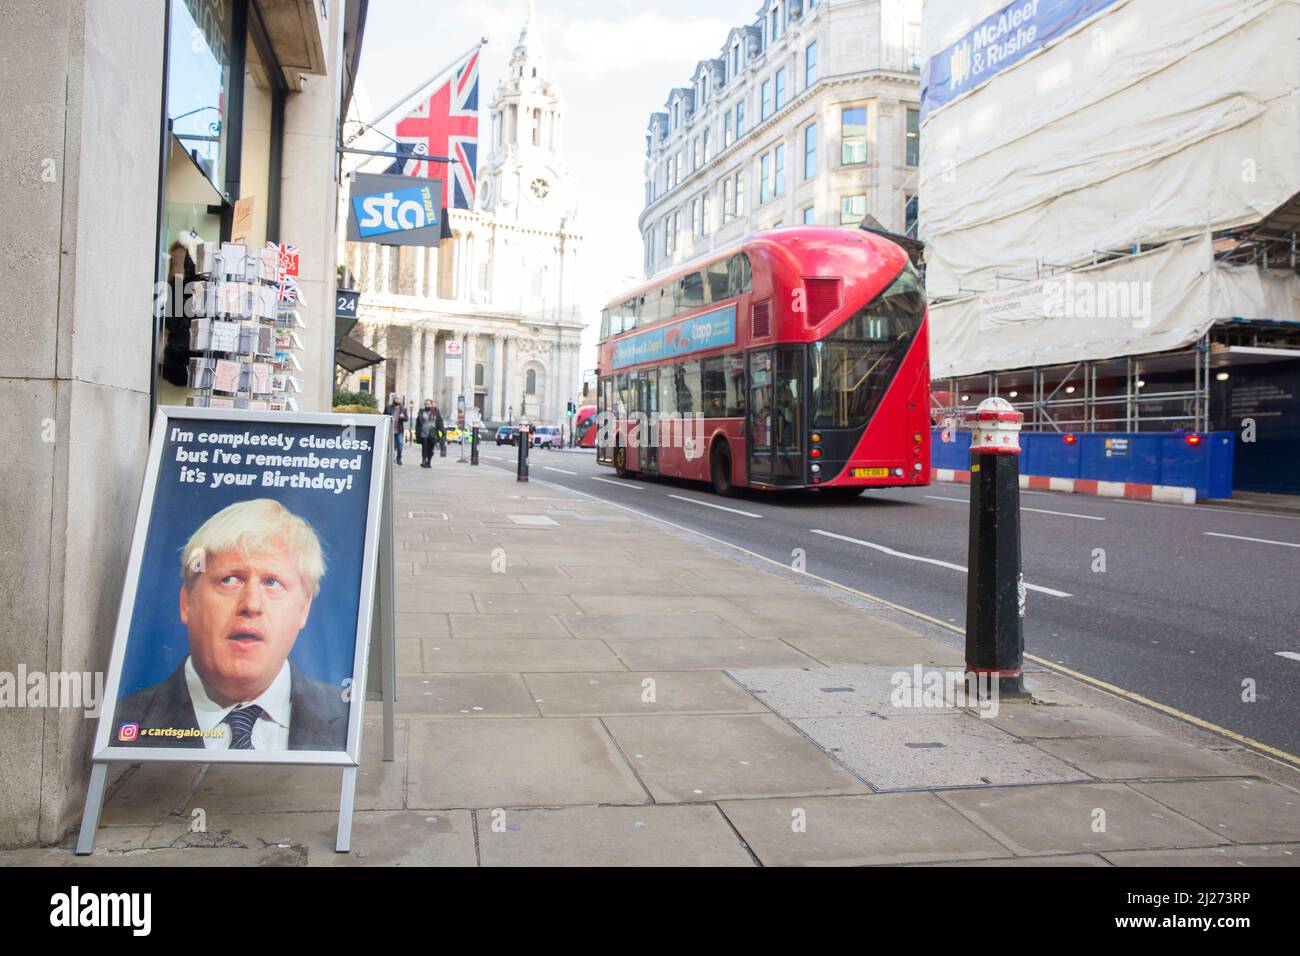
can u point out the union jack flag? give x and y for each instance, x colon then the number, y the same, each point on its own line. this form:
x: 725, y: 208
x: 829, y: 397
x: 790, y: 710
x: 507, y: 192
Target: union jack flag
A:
x: 445, y: 124
x: 286, y: 256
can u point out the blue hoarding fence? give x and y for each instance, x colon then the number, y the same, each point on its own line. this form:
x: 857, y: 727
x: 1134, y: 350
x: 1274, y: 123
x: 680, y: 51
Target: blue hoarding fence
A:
x: 1151, y: 458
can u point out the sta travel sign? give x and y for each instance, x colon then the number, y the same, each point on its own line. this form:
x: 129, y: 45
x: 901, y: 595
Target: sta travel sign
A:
x: 999, y: 41
x: 394, y: 210
x: 706, y: 331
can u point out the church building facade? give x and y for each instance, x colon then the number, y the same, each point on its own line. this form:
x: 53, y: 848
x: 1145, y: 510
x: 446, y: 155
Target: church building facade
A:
x: 501, y: 294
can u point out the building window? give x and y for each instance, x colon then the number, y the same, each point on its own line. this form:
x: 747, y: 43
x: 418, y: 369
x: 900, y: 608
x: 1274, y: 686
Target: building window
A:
x: 778, y: 173
x: 735, y: 60
x: 853, y: 209
x: 726, y: 130
x: 677, y: 116
x: 909, y: 227
x: 740, y: 118
x: 728, y: 209
x: 764, y: 183
x: 695, y: 154
x: 668, y: 232
x: 853, y: 136
x: 677, y: 225
x: 780, y: 88
x: 913, y: 137
x: 530, y: 382
x: 765, y: 101
x: 810, y: 151
x: 706, y: 145
x: 677, y: 168
x: 478, y: 374
x: 810, y: 65
x: 740, y: 193
x: 912, y: 47
x: 810, y: 216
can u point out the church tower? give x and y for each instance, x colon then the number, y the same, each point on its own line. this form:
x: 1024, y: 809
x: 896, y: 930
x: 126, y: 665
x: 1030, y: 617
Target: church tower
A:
x: 526, y: 180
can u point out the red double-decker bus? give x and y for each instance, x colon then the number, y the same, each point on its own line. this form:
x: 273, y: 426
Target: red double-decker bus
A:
x: 584, y: 427
x: 798, y: 358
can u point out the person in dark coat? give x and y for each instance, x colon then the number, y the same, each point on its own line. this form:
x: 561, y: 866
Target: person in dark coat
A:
x: 426, y: 432
x: 397, y: 410
x: 441, y: 431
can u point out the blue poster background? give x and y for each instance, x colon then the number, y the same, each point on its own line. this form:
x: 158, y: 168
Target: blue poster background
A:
x: 708, y: 330
x: 157, y: 642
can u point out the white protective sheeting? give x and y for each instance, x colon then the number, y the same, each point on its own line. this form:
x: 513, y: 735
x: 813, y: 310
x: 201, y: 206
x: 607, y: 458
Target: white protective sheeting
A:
x: 1152, y: 121
x: 1168, y: 301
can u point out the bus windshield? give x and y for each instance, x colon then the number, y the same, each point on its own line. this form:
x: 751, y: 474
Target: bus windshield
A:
x: 853, y: 366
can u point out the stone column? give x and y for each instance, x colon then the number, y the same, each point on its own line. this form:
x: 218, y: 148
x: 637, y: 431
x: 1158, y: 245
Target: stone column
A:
x: 510, y: 346
x: 553, y: 385
x: 471, y: 359
x: 417, y: 365
x: 495, y: 409
x: 428, y: 341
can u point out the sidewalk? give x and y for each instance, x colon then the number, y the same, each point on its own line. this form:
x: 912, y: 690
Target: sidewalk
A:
x: 619, y: 693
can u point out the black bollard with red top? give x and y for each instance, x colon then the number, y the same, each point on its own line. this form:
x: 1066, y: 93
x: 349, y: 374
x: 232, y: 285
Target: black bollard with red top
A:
x: 995, y: 584
x: 522, y: 439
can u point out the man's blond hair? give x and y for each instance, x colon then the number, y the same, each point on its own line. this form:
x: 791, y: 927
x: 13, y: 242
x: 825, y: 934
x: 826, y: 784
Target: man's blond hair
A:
x: 255, y: 527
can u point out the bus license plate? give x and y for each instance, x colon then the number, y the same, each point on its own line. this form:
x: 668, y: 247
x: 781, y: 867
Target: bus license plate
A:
x: 870, y: 472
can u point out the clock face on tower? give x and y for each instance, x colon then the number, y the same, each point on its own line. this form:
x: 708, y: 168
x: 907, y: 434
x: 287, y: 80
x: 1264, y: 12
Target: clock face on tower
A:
x: 540, y: 187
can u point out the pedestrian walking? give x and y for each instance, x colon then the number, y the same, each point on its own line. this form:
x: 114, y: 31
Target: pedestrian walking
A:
x: 398, y: 413
x: 426, y: 432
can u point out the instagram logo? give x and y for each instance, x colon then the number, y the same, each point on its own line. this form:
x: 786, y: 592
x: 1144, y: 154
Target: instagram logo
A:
x: 128, y: 732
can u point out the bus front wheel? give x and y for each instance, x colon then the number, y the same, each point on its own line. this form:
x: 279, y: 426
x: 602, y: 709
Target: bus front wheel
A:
x: 720, y: 470
x: 620, y: 461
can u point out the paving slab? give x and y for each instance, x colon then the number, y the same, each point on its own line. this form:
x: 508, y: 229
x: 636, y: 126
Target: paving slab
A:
x: 485, y: 583
x: 475, y: 626
x: 610, y: 837
x: 150, y: 794
x: 870, y: 644
x: 577, y: 587
x: 694, y: 626
x: 531, y: 605
x: 835, y: 691
x: 416, y: 624
x: 233, y: 789
x: 1244, y: 811
x: 1285, y: 854
x: 1064, y: 818
x: 465, y: 695
x: 517, y: 655
x: 517, y: 763
x: 1139, y: 758
x: 858, y: 831
x: 895, y: 752
x: 1074, y: 859
x: 435, y: 602
x: 689, y: 653
x: 408, y: 656
x: 1052, y: 720
x: 688, y: 759
x: 185, y: 857
x: 379, y: 838
x: 637, y: 693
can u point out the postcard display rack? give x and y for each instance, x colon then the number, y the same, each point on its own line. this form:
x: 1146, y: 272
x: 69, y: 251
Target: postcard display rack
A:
x: 246, y: 331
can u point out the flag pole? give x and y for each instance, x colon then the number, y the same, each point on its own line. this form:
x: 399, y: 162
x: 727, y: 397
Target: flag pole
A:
x: 437, y: 76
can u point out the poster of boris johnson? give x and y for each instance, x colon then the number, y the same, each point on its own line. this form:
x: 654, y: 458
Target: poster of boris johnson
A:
x: 245, y: 614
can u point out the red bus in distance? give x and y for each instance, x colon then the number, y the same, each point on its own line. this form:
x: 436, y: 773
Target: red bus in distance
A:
x: 797, y: 358
x: 584, y: 427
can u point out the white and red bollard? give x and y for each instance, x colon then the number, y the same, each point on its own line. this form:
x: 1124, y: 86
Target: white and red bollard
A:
x: 995, y: 584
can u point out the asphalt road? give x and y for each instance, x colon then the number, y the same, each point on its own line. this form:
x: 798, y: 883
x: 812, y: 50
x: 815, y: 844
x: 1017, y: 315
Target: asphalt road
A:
x: 1194, y: 601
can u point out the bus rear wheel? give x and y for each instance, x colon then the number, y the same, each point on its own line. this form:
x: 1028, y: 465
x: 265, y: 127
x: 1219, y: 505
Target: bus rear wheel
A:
x: 620, y: 461
x: 720, y: 470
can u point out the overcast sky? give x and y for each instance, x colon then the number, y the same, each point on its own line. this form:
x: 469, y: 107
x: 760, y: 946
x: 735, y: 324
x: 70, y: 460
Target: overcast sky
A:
x: 614, y: 61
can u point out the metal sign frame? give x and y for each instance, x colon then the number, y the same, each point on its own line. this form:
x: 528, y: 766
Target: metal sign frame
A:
x: 375, y: 626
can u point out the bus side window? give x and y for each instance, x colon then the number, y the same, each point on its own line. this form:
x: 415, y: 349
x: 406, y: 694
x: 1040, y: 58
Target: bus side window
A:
x: 740, y: 279
x: 719, y: 279
x: 735, y: 384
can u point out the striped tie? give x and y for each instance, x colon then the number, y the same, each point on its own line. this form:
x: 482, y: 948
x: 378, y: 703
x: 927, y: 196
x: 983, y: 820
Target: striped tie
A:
x: 241, y: 721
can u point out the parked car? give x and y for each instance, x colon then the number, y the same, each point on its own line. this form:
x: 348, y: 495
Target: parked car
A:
x: 548, y: 436
x: 506, y: 435
x: 452, y: 433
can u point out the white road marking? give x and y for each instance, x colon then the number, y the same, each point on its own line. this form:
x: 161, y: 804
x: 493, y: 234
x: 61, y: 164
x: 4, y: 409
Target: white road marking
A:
x: 621, y: 484
x: 563, y: 471
x: 710, y: 504
x: 935, y: 561
x: 1292, y: 655
x: 1242, y: 537
x: 1066, y: 514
